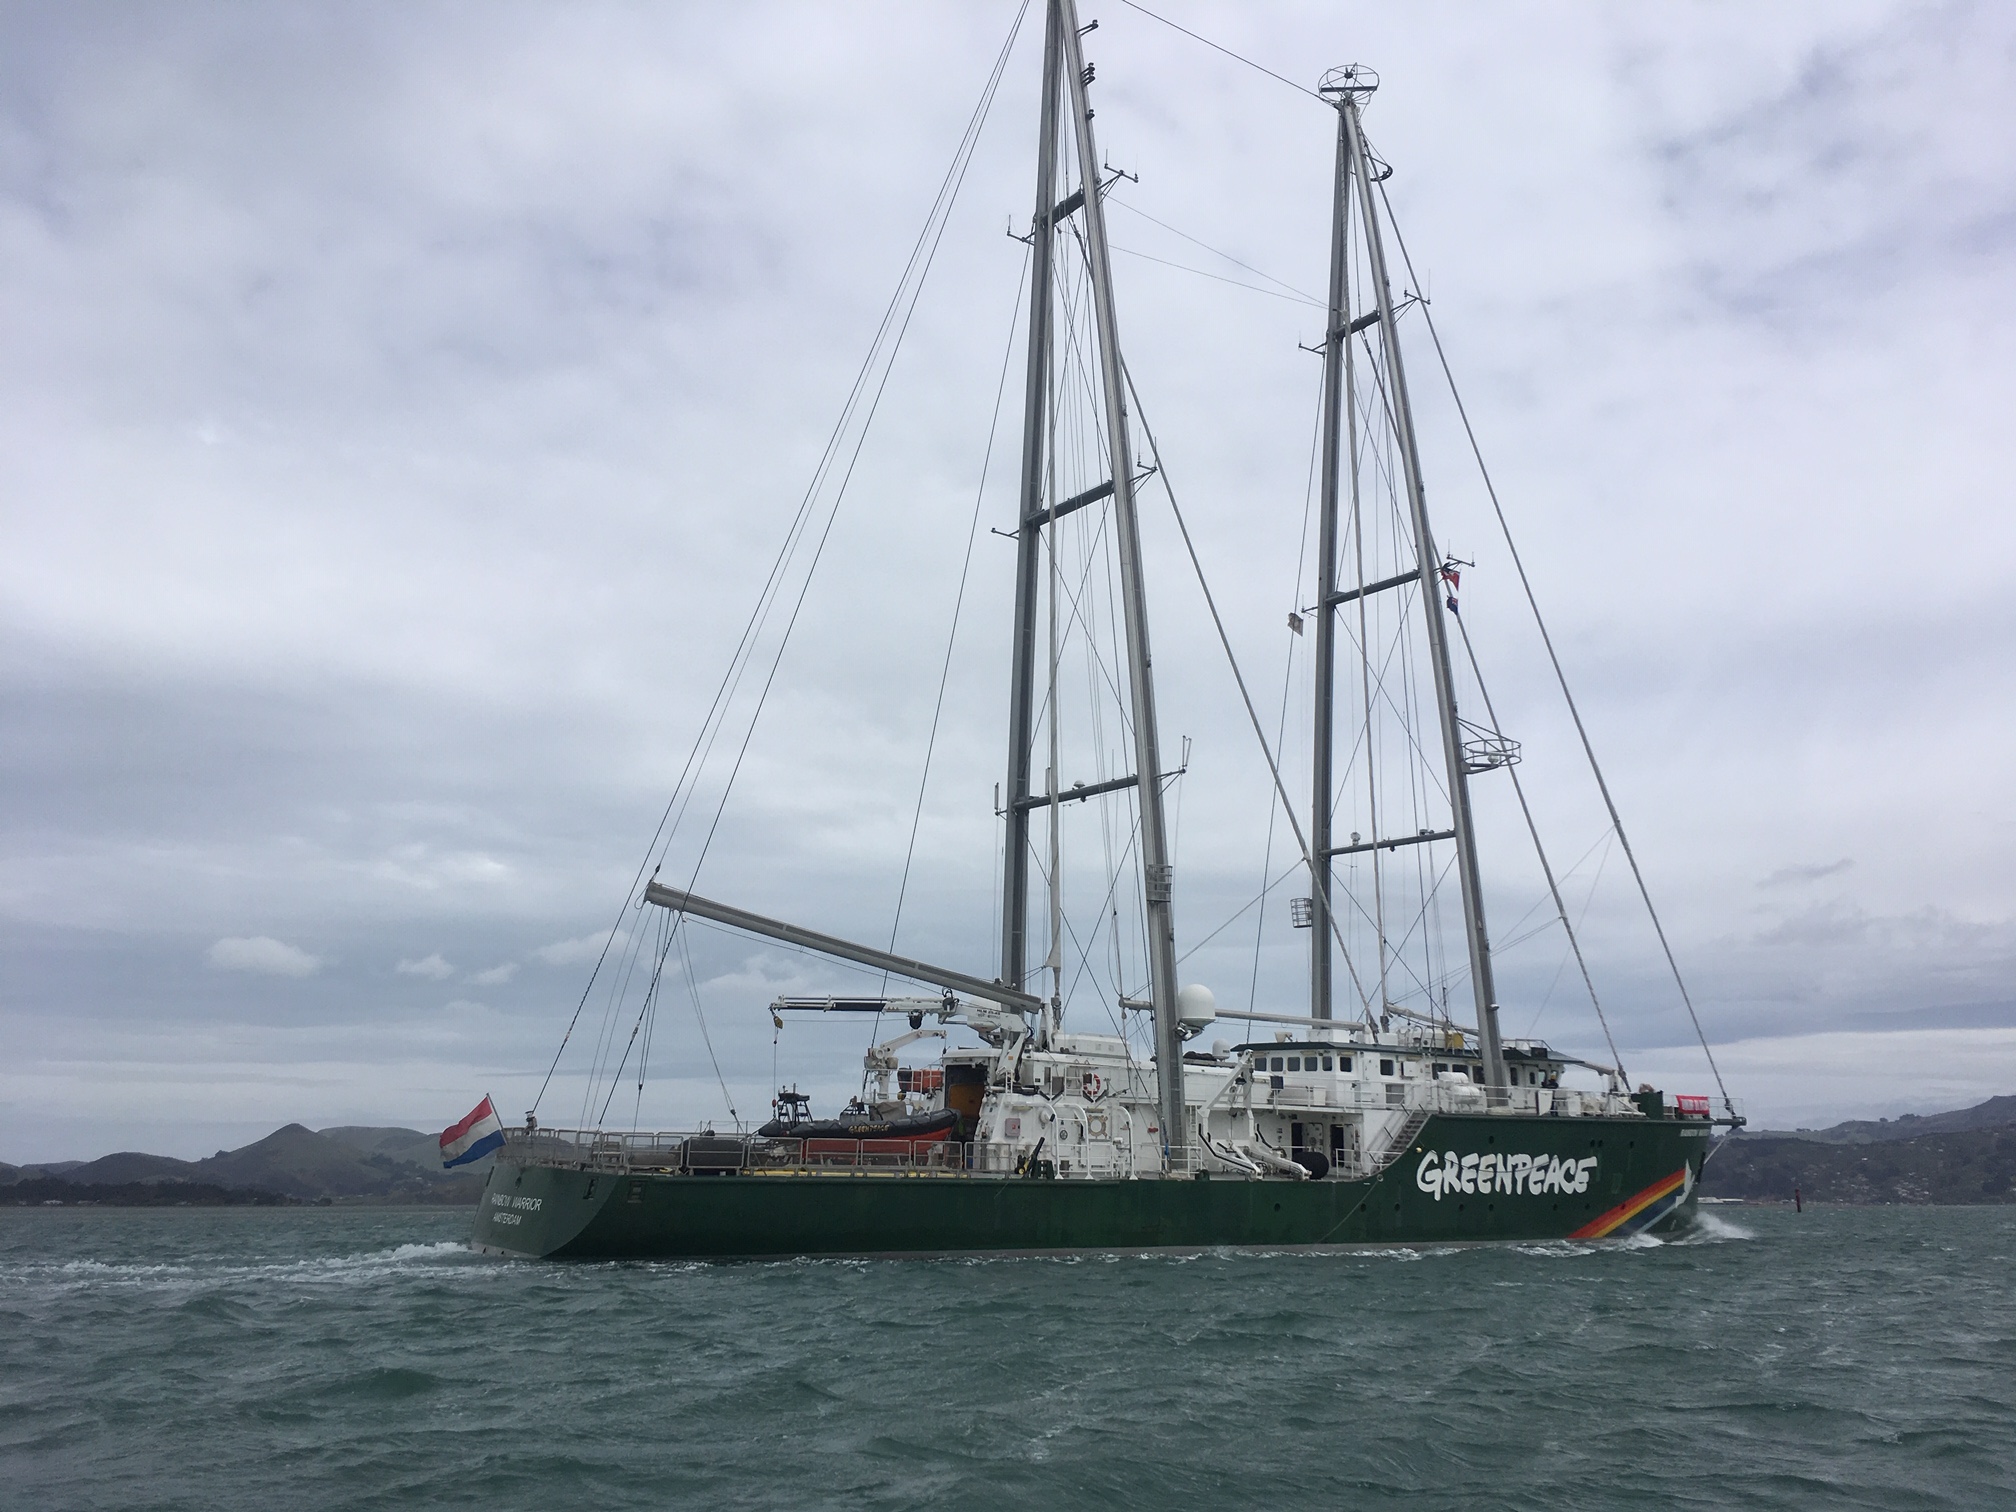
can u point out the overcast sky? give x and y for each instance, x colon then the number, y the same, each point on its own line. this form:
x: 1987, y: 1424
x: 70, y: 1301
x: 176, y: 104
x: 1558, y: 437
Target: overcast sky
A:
x: 402, y: 406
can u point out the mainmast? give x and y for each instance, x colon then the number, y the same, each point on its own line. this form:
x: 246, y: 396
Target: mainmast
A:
x: 1322, y: 800
x: 1064, y: 69
x: 1353, y: 86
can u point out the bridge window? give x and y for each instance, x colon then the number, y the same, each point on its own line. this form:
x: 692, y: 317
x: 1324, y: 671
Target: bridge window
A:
x: 1294, y: 1063
x: 1277, y: 1064
x: 1343, y: 1063
x: 1385, y: 1068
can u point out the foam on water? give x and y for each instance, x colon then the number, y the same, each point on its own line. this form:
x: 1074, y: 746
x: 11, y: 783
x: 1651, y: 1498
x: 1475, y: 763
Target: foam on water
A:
x: 101, y: 1275
x: 348, y: 1359
x: 1712, y: 1228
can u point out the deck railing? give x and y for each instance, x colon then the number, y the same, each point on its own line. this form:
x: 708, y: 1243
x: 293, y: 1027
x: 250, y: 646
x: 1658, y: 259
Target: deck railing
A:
x: 708, y: 1152
x: 1439, y: 1097
x: 705, y: 1151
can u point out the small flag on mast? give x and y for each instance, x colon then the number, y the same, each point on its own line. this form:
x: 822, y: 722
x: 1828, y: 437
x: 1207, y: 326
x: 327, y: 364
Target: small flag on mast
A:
x: 473, y: 1138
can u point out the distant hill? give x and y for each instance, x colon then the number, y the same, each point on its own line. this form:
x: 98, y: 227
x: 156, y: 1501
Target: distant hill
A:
x: 47, y: 1168
x: 1972, y: 1166
x: 343, y: 1164
x: 300, y: 1162
x: 1996, y: 1113
x: 127, y: 1165
x: 53, y: 1191
x: 409, y: 1145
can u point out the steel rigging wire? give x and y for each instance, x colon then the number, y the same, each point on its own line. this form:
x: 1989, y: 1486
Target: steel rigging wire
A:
x: 1533, y: 603
x: 1238, y: 677
x: 951, y: 640
x: 1540, y: 850
x: 911, y: 282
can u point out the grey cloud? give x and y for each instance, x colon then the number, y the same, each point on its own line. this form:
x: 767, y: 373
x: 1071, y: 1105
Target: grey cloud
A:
x: 1811, y: 872
x: 587, y: 948
x: 264, y: 955
x: 400, y: 414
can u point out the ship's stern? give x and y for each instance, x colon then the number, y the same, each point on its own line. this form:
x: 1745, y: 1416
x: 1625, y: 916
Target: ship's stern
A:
x: 533, y: 1211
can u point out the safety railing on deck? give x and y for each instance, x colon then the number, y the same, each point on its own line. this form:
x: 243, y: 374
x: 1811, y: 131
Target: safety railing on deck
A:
x: 1442, y: 1097
x: 705, y: 1152
x: 709, y: 1153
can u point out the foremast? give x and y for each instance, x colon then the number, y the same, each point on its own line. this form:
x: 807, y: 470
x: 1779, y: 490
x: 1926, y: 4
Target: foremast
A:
x: 1066, y: 82
x: 1030, y: 519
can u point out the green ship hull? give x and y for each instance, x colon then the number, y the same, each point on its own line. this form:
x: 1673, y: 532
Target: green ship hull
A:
x: 1509, y: 1178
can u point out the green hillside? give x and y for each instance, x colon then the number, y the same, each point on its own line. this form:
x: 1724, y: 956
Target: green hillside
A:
x: 338, y: 1165
x: 1996, y: 1113
x: 1970, y: 1166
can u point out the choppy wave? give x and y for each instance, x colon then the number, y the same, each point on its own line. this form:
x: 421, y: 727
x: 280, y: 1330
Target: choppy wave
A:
x: 1862, y: 1359
x: 1712, y: 1228
x: 85, y: 1273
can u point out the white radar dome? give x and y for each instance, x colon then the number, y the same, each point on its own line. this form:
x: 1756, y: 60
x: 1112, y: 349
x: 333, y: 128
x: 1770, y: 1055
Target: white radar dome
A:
x: 1195, y: 1008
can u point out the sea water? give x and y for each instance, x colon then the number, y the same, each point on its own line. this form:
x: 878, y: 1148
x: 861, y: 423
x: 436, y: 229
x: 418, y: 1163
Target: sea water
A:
x: 331, y: 1359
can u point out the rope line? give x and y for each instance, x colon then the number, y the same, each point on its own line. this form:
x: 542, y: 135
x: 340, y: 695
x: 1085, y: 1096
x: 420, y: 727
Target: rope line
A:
x: 1217, y: 47
x: 951, y: 640
x: 949, y: 193
x: 1540, y: 850
x: 1239, y: 679
x: 1575, y: 713
x: 714, y: 722
x: 1307, y: 298
x: 1218, y: 277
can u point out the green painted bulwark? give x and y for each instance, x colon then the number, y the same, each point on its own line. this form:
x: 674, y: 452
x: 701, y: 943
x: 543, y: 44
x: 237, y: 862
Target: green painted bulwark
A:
x: 1463, y: 1180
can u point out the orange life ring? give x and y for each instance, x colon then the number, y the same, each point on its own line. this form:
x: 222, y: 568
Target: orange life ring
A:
x: 1095, y: 1084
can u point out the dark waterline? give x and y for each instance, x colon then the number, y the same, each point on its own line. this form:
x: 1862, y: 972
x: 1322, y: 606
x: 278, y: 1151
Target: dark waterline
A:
x: 340, y: 1359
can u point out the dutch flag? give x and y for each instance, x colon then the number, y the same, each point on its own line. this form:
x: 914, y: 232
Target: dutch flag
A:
x: 472, y: 1138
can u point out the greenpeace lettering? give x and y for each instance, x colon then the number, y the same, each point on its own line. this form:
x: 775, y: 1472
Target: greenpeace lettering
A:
x: 1446, y: 1172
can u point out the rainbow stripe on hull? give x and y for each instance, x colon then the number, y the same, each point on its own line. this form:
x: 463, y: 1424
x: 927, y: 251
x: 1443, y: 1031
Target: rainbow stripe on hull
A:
x: 1636, y: 1214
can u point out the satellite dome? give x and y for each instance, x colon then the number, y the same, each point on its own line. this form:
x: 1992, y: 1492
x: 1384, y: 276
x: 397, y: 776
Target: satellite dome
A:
x: 1195, y: 1007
